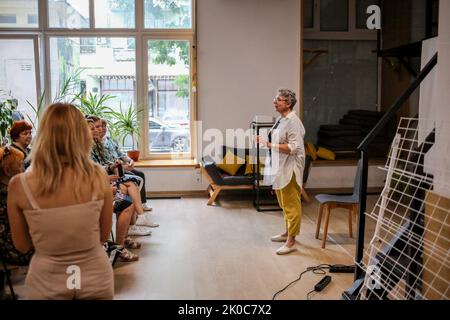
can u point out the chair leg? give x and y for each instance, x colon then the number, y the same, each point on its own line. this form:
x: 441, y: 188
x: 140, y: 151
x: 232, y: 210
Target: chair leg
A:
x: 319, y: 220
x: 350, y: 230
x: 8, y: 280
x: 355, y: 212
x: 325, y: 228
x: 214, y: 196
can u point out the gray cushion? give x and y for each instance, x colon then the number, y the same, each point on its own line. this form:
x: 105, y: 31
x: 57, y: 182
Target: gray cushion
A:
x: 237, y: 180
x: 325, y: 198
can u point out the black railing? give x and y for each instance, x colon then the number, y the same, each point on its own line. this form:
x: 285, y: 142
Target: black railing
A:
x: 362, y: 148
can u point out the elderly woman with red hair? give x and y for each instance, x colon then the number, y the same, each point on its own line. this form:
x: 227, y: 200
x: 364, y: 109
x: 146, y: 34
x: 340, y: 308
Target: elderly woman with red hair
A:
x: 21, y: 138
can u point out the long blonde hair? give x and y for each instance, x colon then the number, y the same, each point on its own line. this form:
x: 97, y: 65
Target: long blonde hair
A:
x: 64, y: 141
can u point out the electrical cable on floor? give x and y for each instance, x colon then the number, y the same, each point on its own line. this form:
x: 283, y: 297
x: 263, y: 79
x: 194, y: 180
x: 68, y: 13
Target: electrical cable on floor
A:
x: 307, y: 295
x: 320, y: 269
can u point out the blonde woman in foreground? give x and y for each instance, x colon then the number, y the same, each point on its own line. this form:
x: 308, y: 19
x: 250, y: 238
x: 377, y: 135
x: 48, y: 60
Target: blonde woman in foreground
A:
x: 63, y: 208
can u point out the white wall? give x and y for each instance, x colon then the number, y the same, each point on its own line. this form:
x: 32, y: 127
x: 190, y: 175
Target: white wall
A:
x: 174, y: 179
x: 342, y: 177
x: 435, y: 103
x: 442, y: 147
x: 246, y: 50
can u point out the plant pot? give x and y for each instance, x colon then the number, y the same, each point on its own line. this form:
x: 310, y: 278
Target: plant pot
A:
x: 134, y: 154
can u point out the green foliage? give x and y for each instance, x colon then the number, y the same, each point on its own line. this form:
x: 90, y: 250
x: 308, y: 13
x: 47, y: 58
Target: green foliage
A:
x: 182, y: 83
x: 114, y: 132
x: 95, y: 105
x: 160, y: 9
x: 163, y: 51
x: 122, y: 5
x: 6, y: 119
x: 125, y: 123
x: 37, y: 110
x: 66, y: 93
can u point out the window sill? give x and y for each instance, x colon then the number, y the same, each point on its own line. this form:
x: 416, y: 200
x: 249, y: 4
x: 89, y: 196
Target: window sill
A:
x: 175, y: 163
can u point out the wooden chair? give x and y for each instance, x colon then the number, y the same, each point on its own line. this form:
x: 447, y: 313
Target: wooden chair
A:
x: 329, y: 202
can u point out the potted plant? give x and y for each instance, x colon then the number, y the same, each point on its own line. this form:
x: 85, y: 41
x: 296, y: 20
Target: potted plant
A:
x: 65, y: 94
x: 95, y: 105
x: 6, y: 120
x: 125, y: 124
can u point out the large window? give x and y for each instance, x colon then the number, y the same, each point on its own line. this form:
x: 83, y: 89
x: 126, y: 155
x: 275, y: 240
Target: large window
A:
x: 101, y: 70
x: 71, y: 14
x: 135, y: 52
x: 337, y: 19
x: 114, y: 13
x: 18, y: 13
x: 169, y: 96
x: 18, y: 75
x: 168, y: 14
x: 333, y: 15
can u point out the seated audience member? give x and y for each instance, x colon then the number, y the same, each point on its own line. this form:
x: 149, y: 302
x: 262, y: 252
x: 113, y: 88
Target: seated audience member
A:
x: 99, y: 154
x: 126, y: 187
x: 112, y: 153
x: 62, y: 207
x: 126, y: 215
x: 11, y: 163
x: 21, y: 138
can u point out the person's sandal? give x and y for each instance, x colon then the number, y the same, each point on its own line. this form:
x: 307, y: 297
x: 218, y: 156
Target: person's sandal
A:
x: 132, y: 244
x: 127, y: 256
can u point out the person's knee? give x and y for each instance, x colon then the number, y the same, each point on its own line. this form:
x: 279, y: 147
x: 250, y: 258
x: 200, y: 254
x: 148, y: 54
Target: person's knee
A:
x: 139, y: 173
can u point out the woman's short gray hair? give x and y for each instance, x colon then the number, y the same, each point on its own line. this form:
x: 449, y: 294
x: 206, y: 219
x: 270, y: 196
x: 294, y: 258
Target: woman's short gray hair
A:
x: 289, y: 95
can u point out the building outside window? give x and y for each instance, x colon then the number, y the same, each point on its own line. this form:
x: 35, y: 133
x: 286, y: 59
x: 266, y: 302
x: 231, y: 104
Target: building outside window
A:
x: 103, y: 61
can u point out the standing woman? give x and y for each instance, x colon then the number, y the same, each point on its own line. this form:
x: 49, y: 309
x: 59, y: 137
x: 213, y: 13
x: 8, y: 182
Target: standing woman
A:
x: 62, y: 207
x: 285, y: 164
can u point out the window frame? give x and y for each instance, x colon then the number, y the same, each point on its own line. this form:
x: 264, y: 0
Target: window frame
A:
x: 192, y: 108
x: 43, y: 33
x: 37, y: 60
x: 25, y: 29
x: 353, y: 32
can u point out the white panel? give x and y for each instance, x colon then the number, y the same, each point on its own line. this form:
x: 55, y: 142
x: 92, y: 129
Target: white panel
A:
x: 427, y: 102
x: 174, y: 179
x: 246, y: 50
x: 442, y: 147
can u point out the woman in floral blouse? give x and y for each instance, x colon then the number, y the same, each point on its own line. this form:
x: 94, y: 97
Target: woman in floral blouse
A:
x: 11, y: 163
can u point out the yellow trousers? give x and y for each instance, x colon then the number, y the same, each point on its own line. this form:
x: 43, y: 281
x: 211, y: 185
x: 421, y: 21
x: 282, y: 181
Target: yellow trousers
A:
x: 289, y: 199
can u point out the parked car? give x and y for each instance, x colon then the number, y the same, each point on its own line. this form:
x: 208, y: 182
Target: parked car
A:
x: 167, y: 138
x: 164, y: 137
x: 176, y: 120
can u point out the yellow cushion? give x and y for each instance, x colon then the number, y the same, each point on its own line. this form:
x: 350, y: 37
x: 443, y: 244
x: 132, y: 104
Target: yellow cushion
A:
x: 311, y: 150
x: 249, y: 165
x: 326, y: 154
x: 231, y: 163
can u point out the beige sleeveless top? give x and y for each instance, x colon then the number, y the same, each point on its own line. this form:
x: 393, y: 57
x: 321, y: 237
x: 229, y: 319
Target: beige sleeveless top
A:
x: 63, y: 230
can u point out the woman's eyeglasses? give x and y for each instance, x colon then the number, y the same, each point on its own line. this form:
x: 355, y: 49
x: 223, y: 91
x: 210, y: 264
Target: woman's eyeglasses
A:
x: 279, y: 99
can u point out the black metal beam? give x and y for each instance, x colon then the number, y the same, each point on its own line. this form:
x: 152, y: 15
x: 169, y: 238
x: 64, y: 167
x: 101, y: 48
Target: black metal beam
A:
x: 389, y: 115
x: 407, y: 67
x: 359, y: 272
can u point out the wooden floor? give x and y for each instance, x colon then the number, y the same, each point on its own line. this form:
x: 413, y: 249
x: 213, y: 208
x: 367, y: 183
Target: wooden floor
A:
x: 224, y: 252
